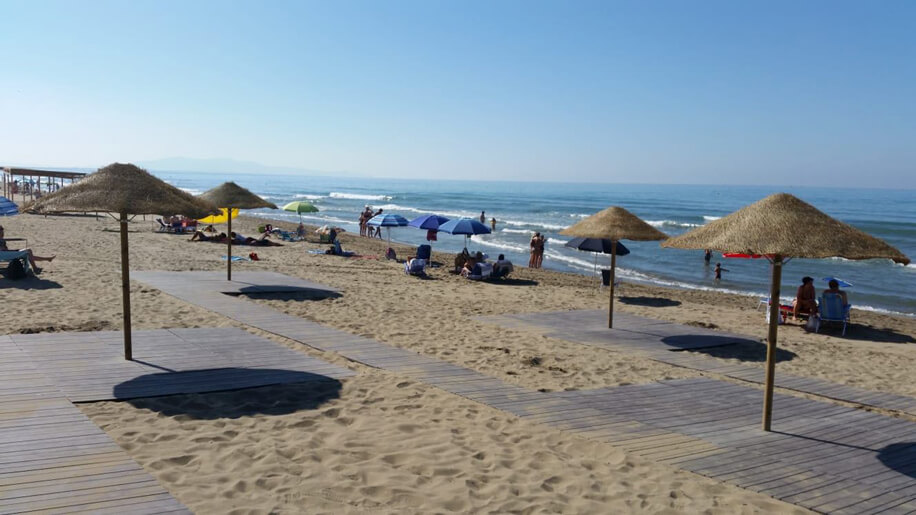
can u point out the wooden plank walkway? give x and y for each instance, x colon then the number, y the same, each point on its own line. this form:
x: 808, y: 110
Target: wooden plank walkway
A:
x: 655, y: 339
x: 53, y: 459
x: 825, y: 457
x: 90, y: 366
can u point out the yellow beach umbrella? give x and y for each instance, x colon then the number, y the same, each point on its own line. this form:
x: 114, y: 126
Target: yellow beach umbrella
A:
x: 221, y: 218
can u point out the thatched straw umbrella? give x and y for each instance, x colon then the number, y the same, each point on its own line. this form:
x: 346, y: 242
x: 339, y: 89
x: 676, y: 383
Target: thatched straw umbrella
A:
x: 230, y: 195
x: 782, y: 227
x: 126, y: 190
x: 615, y: 224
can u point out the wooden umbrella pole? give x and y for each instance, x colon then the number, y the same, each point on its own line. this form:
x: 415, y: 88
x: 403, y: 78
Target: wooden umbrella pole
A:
x: 229, y: 257
x: 610, y: 305
x: 775, y: 281
x: 125, y: 288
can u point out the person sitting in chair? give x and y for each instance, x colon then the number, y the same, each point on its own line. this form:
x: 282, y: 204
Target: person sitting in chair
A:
x: 805, y: 299
x: 461, y: 259
x: 833, y: 287
x: 502, y: 267
x: 32, y: 257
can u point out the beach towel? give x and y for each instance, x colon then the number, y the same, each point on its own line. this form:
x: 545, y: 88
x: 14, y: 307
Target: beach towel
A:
x: 236, y: 258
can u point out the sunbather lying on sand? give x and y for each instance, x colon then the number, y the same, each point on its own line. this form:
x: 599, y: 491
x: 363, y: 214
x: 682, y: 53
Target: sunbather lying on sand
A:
x: 200, y: 236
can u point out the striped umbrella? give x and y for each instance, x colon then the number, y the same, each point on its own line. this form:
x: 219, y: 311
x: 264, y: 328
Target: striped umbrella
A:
x: 387, y: 220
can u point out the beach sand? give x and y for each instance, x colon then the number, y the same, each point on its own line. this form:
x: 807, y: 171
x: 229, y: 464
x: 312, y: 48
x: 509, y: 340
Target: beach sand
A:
x: 388, y: 444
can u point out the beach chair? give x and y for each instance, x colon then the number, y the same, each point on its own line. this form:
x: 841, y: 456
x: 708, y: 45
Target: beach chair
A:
x: 481, y: 271
x: 424, y: 252
x: 13, y: 255
x: 415, y: 267
x: 163, y: 227
x: 606, y: 281
x: 832, y: 309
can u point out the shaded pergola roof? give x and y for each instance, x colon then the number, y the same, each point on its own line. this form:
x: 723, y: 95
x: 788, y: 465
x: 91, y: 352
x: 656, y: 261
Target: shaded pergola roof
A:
x: 31, y: 172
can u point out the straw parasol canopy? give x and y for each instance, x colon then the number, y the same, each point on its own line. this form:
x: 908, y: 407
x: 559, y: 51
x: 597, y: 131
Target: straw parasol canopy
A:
x: 126, y: 190
x: 615, y: 224
x: 123, y: 188
x: 781, y: 227
x: 230, y: 195
x: 784, y: 225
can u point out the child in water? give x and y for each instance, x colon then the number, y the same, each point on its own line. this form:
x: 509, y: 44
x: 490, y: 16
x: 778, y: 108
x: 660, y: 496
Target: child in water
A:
x: 719, y: 271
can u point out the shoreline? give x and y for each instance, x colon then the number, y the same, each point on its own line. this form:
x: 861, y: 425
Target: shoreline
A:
x: 659, y: 283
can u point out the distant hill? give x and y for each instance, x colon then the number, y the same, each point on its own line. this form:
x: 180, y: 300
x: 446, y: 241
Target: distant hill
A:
x: 226, y: 165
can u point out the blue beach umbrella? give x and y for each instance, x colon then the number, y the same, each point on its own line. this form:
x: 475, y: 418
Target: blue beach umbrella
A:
x: 842, y: 283
x: 7, y: 207
x: 598, y: 246
x: 387, y: 220
x: 428, y: 222
x: 465, y: 226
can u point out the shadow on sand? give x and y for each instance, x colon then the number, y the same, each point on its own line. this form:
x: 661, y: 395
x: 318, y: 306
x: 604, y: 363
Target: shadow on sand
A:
x: 900, y: 457
x: 30, y: 282
x: 514, y: 282
x: 653, y: 302
x: 741, y: 349
x: 866, y: 332
x: 297, y: 295
x: 234, y: 392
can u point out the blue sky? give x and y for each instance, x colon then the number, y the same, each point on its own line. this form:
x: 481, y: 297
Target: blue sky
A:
x: 781, y: 92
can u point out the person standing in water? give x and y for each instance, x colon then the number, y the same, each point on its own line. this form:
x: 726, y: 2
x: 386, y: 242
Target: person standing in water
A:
x: 493, y: 224
x: 719, y: 271
x: 483, y: 217
x: 707, y: 256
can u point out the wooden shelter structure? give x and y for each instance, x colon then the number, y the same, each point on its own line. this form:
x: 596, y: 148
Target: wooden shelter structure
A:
x: 30, y: 184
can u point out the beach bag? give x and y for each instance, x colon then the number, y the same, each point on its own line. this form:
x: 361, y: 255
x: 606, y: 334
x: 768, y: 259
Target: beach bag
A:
x: 811, y: 324
x: 15, y: 270
x: 254, y: 256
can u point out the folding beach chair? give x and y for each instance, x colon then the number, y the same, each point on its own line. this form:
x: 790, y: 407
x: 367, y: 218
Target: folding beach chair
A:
x: 832, y: 309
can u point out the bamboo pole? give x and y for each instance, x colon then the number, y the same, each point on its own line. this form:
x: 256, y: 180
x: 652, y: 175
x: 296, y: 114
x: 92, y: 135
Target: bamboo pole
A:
x: 775, y: 280
x: 125, y: 288
x: 229, y: 257
x: 610, y: 306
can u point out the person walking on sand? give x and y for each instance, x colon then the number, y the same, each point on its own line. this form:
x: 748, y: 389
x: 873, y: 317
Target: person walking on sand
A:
x: 483, y: 217
x: 378, y: 230
x: 707, y: 256
x: 719, y: 271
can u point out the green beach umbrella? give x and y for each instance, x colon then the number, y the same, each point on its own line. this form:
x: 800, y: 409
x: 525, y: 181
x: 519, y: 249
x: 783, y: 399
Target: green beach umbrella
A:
x: 300, y: 207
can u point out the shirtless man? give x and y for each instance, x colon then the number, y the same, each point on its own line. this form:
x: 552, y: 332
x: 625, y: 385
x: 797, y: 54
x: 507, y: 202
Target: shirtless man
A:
x: 834, y: 287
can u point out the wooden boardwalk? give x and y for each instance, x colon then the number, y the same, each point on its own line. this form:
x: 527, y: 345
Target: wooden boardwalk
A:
x: 53, y: 459
x: 825, y: 457
x: 90, y: 366
x: 656, y: 339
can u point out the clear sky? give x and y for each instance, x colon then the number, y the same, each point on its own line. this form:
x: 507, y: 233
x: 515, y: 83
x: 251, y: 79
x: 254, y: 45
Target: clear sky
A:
x: 768, y: 92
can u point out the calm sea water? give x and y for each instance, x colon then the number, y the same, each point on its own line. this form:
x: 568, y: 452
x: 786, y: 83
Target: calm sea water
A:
x: 522, y: 208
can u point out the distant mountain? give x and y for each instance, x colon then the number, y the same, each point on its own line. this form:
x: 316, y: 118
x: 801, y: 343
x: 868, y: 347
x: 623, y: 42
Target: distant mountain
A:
x: 225, y: 165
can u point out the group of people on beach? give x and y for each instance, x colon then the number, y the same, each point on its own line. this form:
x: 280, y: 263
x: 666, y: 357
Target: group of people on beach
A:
x: 364, y: 228
x: 805, y: 302
x: 536, y: 246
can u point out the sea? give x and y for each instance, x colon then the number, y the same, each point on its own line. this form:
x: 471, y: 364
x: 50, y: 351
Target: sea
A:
x: 521, y: 208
